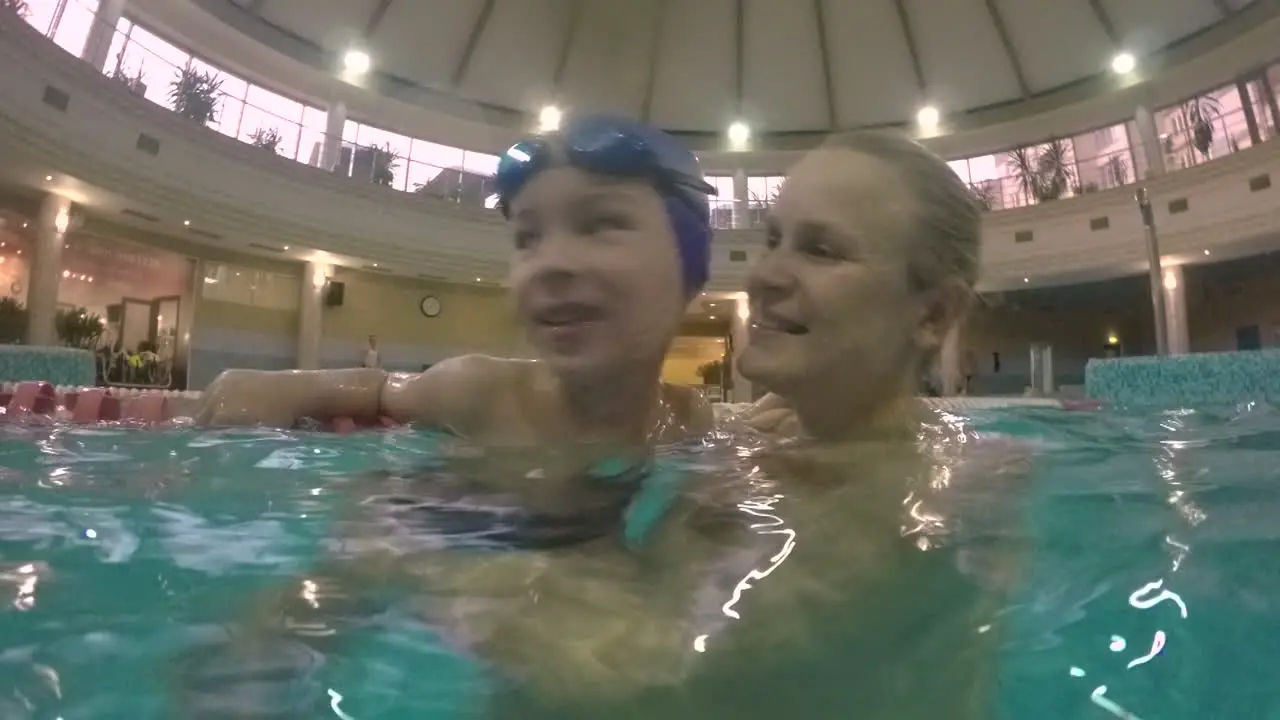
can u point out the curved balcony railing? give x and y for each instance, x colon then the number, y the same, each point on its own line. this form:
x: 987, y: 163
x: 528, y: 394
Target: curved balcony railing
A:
x: 1198, y: 130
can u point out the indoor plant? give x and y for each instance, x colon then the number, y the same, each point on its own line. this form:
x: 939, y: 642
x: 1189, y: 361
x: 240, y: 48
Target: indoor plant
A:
x: 1043, y: 172
x: 194, y: 94
x: 79, y: 328
x: 385, y: 162
x: 134, y: 82
x: 13, y: 321
x: 266, y: 139
x: 17, y: 7
x: 1198, y: 115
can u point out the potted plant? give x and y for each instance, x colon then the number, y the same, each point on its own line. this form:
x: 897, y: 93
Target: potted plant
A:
x: 79, y: 328
x: 984, y: 193
x: 1043, y: 173
x: 194, y: 94
x: 1198, y: 115
x: 17, y: 7
x: 266, y: 139
x: 385, y: 162
x: 711, y: 373
x: 134, y: 82
x: 13, y: 321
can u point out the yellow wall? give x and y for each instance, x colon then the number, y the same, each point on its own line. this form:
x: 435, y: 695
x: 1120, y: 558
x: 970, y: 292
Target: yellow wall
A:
x: 687, y: 354
x: 472, y: 318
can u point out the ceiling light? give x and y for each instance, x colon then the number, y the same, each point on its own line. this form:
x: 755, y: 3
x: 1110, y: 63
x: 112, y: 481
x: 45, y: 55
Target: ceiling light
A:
x: 477, y: 279
x: 549, y: 118
x: 711, y: 317
x: 1026, y: 280
x: 48, y: 178
x: 928, y: 117
x: 739, y: 134
x: 356, y: 62
x: 286, y: 247
x: 1206, y: 252
x: 1123, y: 63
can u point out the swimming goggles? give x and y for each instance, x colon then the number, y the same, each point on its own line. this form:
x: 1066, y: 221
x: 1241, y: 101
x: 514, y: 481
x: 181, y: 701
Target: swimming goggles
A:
x: 609, y: 146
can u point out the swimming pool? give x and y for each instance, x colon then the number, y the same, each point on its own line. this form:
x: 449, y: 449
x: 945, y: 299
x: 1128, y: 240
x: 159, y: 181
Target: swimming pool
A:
x: 1149, y: 590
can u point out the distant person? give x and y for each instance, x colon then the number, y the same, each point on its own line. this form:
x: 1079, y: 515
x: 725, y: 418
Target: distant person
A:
x: 968, y: 369
x: 371, y: 357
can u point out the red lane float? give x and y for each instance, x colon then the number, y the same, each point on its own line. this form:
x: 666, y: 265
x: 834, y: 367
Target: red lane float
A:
x: 31, y: 400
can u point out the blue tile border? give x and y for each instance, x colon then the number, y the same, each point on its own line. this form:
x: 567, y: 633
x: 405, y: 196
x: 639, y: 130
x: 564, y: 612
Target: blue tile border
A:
x: 1185, y: 380
x: 55, y: 365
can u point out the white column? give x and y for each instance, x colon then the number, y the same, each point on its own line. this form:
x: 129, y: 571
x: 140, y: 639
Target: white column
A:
x: 311, y: 314
x: 741, y: 200
x: 98, y: 44
x: 738, y: 330
x: 1175, y: 310
x: 949, y: 361
x: 46, y: 270
x: 1149, y: 138
x: 334, y: 122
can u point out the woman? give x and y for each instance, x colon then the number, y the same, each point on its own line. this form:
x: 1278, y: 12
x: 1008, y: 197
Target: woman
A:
x: 844, y: 578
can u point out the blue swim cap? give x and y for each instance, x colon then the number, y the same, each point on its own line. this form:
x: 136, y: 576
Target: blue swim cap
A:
x: 617, y: 146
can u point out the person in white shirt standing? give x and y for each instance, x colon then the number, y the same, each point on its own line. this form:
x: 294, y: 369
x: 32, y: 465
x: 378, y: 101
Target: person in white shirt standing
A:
x: 371, y: 357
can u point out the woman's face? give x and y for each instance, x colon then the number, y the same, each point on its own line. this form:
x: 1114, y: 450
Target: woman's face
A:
x: 595, y: 272
x: 832, y: 308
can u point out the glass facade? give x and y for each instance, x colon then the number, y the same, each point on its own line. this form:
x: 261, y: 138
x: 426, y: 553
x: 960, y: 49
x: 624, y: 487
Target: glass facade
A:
x: 1217, y: 122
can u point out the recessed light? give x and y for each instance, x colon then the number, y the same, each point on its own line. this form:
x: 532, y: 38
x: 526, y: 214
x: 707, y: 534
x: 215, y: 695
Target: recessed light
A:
x: 711, y: 317
x: 1206, y: 252
x: 356, y: 62
x: 286, y: 247
x: 739, y: 134
x: 1123, y: 63
x: 187, y: 223
x: 1026, y: 280
x: 549, y: 118
x: 928, y: 117
x: 48, y: 178
x: 477, y: 279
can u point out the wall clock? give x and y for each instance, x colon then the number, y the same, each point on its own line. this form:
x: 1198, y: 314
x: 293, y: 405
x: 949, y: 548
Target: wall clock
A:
x: 430, y: 306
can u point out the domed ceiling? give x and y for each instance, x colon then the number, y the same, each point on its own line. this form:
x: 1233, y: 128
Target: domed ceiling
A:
x: 784, y: 66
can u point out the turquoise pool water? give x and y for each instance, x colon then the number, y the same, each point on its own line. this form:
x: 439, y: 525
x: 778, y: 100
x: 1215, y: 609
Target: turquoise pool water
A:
x: 1150, y: 588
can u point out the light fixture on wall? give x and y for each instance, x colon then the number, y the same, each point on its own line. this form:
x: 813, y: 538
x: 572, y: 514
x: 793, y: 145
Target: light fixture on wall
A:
x: 1113, y: 339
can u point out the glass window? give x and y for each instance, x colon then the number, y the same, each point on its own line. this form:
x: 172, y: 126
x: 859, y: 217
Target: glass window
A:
x: 42, y: 14
x: 269, y: 115
x: 230, y: 105
x: 379, y: 155
x: 74, y: 25
x: 158, y: 62
x: 961, y: 169
x: 1203, y: 127
x: 1103, y: 159
x: 436, y: 170
x: 311, y: 138
x: 115, y: 56
x: 722, y: 202
x: 1261, y: 98
x: 480, y: 163
x: 1039, y: 173
x: 987, y: 178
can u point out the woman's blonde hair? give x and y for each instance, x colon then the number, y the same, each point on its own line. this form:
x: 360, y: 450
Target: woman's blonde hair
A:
x: 948, y: 219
